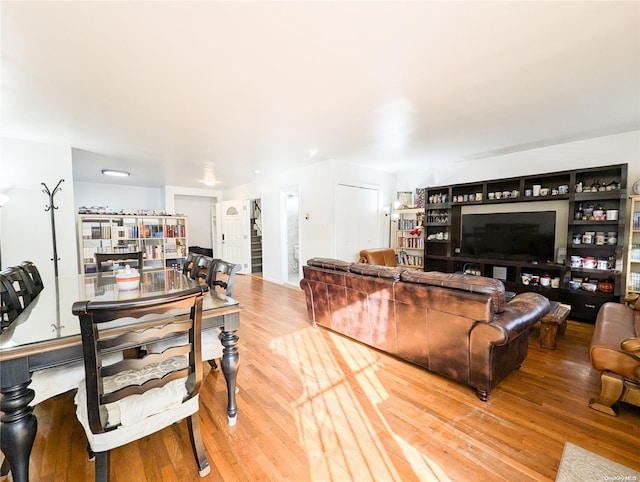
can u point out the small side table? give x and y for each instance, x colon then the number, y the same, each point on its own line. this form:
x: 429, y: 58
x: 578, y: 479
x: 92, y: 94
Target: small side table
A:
x: 553, y: 323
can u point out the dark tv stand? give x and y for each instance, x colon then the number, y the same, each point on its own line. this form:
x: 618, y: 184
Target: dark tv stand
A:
x: 443, y: 214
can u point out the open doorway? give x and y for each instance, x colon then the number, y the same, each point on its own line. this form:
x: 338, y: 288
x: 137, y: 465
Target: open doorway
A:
x: 200, y: 212
x: 290, y: 198
x: 255, y: 218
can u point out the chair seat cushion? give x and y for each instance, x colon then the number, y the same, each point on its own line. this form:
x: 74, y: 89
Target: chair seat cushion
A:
x: 54, y: 381
x: 130, y: 410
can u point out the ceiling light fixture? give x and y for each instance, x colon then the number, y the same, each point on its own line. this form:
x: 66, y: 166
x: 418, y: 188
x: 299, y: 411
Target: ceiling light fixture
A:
x: 114, y: 172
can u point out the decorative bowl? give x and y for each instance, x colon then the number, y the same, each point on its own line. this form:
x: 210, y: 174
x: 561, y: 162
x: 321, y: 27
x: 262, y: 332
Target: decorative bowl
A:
x: 605, y: 286
x: 590, y: 286
x: 574, y: 285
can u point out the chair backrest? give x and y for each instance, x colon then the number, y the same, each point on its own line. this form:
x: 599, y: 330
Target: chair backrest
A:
x: 201, y: 266
x: 188, y: 263
x: 227, y: 270
x: 10, y: 306
x: 103, y: 258
x: 21, y: 283
x: 108, y: 384
x: 34, y: 274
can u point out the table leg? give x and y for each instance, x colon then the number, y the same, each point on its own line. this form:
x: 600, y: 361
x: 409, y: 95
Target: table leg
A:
x: 548, y: 333
x: 18, y: 426
x: 229, y: 362
x: 562, y: 327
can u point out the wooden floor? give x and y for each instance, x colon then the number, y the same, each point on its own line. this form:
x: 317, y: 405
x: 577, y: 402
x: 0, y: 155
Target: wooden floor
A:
x: 316, y: 406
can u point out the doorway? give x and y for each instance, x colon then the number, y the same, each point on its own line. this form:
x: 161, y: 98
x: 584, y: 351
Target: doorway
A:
x: 290, y: 198
x: 255, y: 218
x: 200, y: 212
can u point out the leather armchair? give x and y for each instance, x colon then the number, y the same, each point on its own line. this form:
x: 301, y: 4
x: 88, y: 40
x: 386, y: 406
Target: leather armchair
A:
x: 379, y: 256
x: 615, y: 351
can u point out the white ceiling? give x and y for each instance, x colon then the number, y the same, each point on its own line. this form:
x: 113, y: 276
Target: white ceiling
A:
x: 179, y: 91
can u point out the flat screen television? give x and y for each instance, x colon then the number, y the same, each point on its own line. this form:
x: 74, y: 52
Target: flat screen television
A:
x: 517, y: 236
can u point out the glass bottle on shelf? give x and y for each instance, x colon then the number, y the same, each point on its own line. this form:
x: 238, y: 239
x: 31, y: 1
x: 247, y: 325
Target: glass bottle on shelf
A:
x: 579, y: 213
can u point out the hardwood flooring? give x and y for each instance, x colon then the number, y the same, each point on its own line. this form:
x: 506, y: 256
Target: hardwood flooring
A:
x: 315, y: 406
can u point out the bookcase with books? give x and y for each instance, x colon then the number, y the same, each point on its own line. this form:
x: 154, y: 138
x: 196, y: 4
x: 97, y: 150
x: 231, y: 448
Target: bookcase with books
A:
x: 633, y: 246
x: 408, y: 238
x: 162, y: 239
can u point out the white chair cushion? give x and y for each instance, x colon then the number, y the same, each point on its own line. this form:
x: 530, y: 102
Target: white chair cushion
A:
x: 138, y: 415
x: 134, y: 408
x: 211, y: 346
x: 54, y: 381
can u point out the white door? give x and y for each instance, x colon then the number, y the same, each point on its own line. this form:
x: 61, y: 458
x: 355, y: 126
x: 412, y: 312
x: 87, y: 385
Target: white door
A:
x: 357, y: 218
x: 234, y: 233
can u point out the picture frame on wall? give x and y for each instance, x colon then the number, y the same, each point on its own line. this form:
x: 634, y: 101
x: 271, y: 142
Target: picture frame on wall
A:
x: 405, y: 199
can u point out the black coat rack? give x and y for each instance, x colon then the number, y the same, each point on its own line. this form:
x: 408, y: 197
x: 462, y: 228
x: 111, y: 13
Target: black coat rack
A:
x: 51, y: 207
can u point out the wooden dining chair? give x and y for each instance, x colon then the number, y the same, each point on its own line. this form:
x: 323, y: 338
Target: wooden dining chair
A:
x: 187, y: 265
x: 221, y: 274
x: 103, y: 259
x: 133, y: 398
x: 21, y: 283
x: 34, y: 275
x: 10, y: 306
x: 200, y: 267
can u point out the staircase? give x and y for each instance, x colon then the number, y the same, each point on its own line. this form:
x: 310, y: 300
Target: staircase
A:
x: 256, y: 238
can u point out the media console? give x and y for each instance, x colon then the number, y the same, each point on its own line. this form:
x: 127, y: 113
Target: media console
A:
x: 590, y: 207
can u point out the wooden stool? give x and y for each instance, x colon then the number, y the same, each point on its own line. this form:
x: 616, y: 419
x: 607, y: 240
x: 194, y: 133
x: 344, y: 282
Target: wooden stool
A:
x: 553, y: 323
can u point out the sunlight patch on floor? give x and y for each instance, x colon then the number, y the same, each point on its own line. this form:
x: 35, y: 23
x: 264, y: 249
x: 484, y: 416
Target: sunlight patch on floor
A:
x: 330, y: 414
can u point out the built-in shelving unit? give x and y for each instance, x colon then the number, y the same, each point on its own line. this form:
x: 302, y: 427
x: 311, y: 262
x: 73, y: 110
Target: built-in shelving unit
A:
x: 595, y: 241
x: 162, y: 239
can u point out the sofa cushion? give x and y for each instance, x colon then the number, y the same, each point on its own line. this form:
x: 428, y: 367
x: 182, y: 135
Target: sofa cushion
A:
x: 378, y: 271
x: 329, y: 263
x: 473, y: 284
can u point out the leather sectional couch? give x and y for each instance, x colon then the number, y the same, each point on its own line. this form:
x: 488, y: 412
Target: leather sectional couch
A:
x: 459, y: 326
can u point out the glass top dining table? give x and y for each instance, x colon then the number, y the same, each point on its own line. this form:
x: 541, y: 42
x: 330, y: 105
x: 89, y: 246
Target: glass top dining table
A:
x: 48, y: 320
x: 47, y: 334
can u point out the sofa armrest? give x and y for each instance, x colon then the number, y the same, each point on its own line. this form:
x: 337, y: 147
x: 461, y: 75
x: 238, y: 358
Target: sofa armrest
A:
x: 631, y: 346
x: 520, y: 314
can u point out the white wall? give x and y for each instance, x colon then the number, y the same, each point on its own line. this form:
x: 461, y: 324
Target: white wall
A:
x: 598, y: 151
x: 317, y: 230
x: 117, y: 197
x: 25, y: 232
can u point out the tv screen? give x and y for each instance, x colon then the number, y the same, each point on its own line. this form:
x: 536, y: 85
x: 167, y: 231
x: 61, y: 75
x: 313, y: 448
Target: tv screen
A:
x: 518, y: 236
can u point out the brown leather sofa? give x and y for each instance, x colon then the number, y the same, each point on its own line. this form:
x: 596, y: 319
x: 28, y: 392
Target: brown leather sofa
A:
x: 379, y: 256
x: 615, y: 351
x: 459, y: 326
